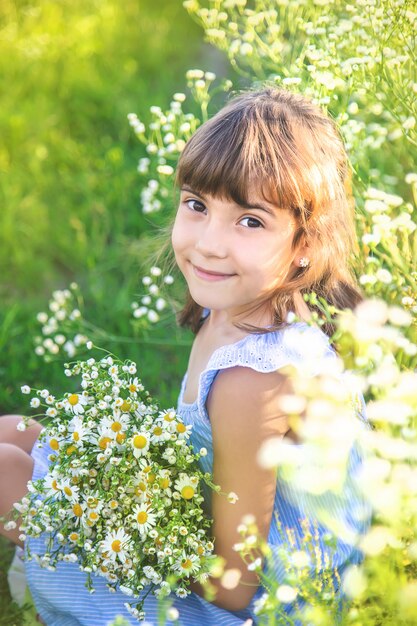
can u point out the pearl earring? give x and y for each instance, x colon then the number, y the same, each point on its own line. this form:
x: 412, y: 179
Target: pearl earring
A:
x: 304, y: 262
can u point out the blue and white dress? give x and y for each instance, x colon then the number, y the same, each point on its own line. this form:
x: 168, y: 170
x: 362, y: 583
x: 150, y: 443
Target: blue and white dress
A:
x: 61, y: 597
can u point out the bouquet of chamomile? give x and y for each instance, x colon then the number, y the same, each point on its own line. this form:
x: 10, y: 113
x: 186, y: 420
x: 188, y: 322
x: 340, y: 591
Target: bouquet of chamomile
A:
x: 123, y: 494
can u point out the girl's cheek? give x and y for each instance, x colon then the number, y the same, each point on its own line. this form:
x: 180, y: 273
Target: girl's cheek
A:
x: 175, y: 236
x: 179, y: 246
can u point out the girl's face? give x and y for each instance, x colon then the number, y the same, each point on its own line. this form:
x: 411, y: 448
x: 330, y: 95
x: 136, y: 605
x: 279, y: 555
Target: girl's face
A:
x: 231, y: 255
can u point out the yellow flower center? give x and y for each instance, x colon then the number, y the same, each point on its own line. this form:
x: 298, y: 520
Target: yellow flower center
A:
x: 54, y: 444
x: 168, y: 418
x: 104, y: 568
x: 120, y: 437
x: 186, y: 564
x: 132, y: 388
x: 116, y: 545
x: 93, y: 515
x: 73, y: 399
x: 114, y: 504
x: 164, y: 483
x: 71, y: 449
x: 181, y: 428
x: 55, y: 485
x: 140, y: 488
x: 200, y: 550
x: 68, y: 491
x: 77, y: 510
x: 126, y: 406
x: 104, y: 442
x: 139, y: 441
x: 147, y: 469
x: 142, y: 517
x: 187, y: 492
x: 116, y: 426
x: 151, y: 478
x: 73, y: 536
x: 157, y: 431
x: 76, y: 436
x: 92, y: 502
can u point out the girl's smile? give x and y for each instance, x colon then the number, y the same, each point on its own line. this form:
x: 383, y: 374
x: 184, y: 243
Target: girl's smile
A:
x: 210, y: 275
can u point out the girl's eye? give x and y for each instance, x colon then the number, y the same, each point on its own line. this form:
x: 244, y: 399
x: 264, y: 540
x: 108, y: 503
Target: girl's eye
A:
x: 251, y: 222
x: 195, y: 205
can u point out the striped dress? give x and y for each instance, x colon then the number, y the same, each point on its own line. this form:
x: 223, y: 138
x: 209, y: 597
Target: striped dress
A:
x: 61, y: 597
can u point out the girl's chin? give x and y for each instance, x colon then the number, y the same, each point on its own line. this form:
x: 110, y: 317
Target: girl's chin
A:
x: 207, y: 303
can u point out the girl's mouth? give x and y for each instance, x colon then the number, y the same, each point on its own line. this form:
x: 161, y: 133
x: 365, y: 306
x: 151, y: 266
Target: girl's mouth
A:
x: 210, y: 275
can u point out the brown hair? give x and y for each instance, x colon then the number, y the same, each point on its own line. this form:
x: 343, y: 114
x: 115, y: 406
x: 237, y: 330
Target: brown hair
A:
x: 286, y: 147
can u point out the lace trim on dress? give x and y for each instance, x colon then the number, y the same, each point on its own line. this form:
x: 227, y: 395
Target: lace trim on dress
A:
x: 299, y: 345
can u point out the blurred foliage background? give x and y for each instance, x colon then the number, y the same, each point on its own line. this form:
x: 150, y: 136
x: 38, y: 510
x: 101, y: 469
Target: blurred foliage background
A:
x: 70, y: 72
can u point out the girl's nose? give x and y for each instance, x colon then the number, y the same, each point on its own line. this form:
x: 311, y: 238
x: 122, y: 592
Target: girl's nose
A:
x: 211, y: 241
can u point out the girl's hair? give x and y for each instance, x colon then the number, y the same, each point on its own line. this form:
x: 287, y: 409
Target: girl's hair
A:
x: 285, y: 147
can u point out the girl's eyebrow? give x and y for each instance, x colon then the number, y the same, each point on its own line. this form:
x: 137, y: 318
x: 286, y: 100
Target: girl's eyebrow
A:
x: 243, y: 205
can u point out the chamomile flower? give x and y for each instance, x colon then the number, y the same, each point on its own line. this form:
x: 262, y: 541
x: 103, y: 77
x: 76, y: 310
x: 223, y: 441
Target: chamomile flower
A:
x: 77, y: 511
x: 145, y: 466
x: 93, y: 501
x: 51, y: 485
x: 140, y: 444
x: 186, y: 486
x: 75, y: 403
x: 91, y: 517
x: 187, y: 564
x: 55, y: 443
x: 77, y: 431
x: 69, y: 491
x: 74, y: 537
x: 76, y: 470
x: 134, y: 387
x: 116, y: 545
x: 181, y: 430
x: 123, y: 405
x: 144, y: 518
x: 140, y: 486
x: 159, y: 432
x: 115, y: 425
x: 165, y: 481
x: 113, y: 370
x: 167, y: 416
x: 103, y: 438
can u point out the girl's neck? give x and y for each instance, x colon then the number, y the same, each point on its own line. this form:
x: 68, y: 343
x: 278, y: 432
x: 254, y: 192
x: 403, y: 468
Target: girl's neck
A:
x: 223, y: 323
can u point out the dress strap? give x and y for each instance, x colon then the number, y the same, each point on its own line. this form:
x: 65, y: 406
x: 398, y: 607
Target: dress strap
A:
x: 300, y: 345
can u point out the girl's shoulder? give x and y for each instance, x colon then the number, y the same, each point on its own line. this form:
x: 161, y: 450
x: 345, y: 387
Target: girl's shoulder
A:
x: 298, y: 344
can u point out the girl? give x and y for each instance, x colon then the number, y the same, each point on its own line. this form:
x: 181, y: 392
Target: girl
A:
x: 264, y: 218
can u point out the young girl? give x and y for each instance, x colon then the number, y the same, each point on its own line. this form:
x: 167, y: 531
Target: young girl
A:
x: 264, y: 218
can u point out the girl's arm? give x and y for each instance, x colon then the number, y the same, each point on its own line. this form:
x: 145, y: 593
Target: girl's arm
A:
x: 244, y: 411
